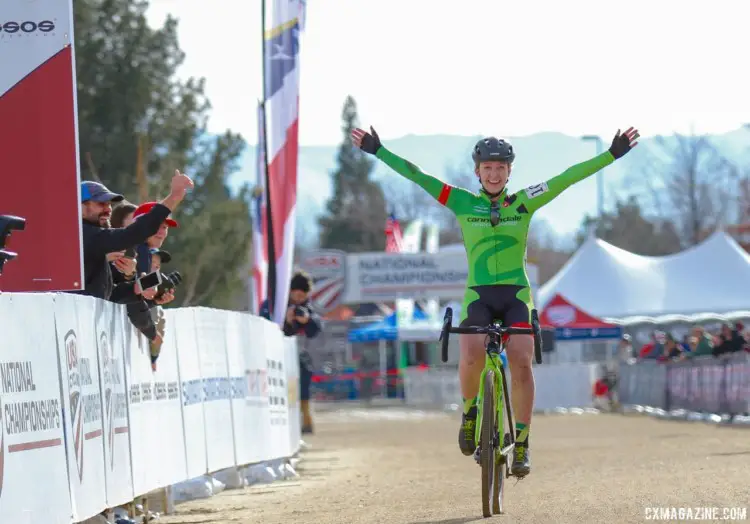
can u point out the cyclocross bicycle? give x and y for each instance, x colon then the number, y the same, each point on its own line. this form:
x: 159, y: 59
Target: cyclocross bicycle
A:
x: 492, y: 419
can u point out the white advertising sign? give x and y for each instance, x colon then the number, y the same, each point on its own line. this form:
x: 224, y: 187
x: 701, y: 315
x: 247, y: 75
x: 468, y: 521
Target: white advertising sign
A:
x: 192, y: 392
x: 374, y: 277
x: 155, y: 411
x: 110, y: 321
x: 211, y: 325
x: 34, y: 484
x: 76, y: 341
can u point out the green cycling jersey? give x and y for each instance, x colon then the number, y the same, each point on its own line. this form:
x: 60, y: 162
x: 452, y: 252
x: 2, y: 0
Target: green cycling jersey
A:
x: 496, y: 254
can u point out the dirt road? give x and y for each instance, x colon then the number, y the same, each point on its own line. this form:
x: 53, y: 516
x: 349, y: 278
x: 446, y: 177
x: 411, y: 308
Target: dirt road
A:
x: 393, y: 466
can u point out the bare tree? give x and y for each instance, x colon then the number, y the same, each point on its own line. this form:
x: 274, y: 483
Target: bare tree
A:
x: 692, y: 184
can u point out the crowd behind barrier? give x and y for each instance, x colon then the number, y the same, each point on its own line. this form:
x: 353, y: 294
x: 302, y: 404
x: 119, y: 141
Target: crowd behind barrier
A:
x: 87, y: 425
x: 700, y: 384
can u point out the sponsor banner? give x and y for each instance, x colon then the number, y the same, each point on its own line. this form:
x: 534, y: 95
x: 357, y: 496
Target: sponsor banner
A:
x: 38, y: 133
x: 277, y: 393
x: 256, y: 443
x: 372, y: 277
x: 293, y: 393
x: 155, y: 411
x: 237, y: 330
x: 211, y: 325
x: 328, y: 270
x: 34, y: 484
x: 76, y: 343
x: 110, y: 320
x: 192, y: 392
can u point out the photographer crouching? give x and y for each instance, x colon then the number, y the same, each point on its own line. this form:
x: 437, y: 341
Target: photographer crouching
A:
x: 300, y: 319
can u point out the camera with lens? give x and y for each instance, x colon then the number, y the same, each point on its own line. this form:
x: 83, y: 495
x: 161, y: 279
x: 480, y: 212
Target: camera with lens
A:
x: 169, y: 281
x: 8, y: 224
x: 300, y: 311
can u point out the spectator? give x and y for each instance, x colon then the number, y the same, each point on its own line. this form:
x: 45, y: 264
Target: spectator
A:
x: 730, y: 341
x: 704, y: 342
x: 655, y: 349
x: 672, y: 349
x: 300, y: 319
x: 155, y: 241
x: 625, y: 349
x: 122, y: 215
x: 99, y: 240
x: 143, y: 315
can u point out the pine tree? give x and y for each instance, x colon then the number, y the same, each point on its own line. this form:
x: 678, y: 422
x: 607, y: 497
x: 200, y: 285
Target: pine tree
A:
x: 356, y: 212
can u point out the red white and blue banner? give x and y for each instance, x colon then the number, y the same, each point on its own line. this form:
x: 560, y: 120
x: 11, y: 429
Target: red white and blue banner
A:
x: 282, y: 32
x: 39, y: 178
x: 259, y: 283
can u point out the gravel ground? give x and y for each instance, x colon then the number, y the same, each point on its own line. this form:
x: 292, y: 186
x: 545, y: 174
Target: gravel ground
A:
x: 396, y: 466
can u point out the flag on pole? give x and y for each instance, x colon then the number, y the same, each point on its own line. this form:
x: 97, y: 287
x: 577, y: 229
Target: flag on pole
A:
x: 260, y: 223
x: 281, y: 33
x: 392, y: 235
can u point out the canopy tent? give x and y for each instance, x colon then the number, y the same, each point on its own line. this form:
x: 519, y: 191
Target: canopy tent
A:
x: 611, y: 283
x: 384, y: 329
x: 571, y: 323
x: 421, y: 328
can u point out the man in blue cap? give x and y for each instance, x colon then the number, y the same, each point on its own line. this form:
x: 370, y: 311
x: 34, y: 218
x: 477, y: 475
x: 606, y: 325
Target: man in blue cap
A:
x: 99, y: 240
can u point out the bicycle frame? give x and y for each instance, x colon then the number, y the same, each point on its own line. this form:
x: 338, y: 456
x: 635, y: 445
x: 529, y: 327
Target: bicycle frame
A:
x: 493, y: 362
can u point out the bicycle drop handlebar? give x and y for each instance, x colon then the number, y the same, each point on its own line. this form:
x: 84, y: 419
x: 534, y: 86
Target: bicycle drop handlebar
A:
x: 492, y: 329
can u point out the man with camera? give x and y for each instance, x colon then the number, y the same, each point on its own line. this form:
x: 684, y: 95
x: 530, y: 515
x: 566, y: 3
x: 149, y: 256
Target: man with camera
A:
x: 99, y: 240
x: 300, y: 319
x: 147, y: 315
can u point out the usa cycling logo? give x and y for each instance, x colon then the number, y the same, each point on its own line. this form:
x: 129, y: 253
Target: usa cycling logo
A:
x: 109, y: 412
x: 76, y: 398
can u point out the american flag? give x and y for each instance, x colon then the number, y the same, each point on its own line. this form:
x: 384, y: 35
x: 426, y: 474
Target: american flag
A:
x: 282, y: 36
x: 392, y: 235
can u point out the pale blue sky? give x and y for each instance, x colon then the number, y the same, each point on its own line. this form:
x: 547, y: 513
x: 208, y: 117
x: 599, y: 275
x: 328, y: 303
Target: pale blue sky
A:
x: 482, y: 66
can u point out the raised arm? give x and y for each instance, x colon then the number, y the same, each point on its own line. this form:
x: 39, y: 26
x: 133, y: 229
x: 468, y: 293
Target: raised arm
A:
x: 542, y: 194
x: 439, y: 190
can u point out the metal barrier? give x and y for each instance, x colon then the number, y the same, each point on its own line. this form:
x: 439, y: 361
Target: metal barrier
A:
x: 702, y: 384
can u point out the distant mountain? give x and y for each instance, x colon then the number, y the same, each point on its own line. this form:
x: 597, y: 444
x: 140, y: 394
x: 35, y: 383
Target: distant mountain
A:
x: 538, y: 157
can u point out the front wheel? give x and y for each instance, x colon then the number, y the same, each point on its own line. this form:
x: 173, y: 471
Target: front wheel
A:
x: 487, y: 444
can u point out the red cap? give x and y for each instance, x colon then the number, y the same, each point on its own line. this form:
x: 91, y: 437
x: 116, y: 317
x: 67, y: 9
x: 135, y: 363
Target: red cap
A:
x: 148, y: 206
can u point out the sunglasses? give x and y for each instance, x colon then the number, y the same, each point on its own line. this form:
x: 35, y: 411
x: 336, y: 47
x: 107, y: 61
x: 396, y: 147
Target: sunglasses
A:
x: 494, y: 214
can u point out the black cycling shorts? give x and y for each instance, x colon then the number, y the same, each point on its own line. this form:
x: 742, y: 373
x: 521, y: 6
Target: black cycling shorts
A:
x: 498, y: 303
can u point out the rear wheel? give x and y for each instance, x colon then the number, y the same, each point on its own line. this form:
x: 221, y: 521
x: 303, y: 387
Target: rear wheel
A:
x: 487, y: 443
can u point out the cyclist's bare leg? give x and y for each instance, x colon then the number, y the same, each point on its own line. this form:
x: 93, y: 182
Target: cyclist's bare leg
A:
x: 520, y: 350
x: 471, y: 364
x: 470, y: 368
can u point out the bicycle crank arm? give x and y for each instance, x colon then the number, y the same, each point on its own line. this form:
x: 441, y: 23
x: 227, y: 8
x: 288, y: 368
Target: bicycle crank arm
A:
x: 507, y: 449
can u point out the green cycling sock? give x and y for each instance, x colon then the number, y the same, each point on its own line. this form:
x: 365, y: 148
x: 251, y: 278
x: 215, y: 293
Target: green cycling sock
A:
x: 469, y: 403
x: 522, y: 432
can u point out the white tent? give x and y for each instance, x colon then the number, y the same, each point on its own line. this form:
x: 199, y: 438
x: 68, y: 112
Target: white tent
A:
x: 611, y: 283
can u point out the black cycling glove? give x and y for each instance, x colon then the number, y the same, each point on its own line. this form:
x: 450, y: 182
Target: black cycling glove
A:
x: 621, y: 144
x: 371, y: 142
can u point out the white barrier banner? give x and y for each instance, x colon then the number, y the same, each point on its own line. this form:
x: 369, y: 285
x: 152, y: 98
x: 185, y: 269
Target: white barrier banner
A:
x: 80, y: 390
x: 237, y: 333
x: 193, y: 394
x: 293, y: 393
x: 158, y: 448
x: 33, y: 474
x: 257, y: 416
x: 110, y: 321
x: 210, y: 325
x: 278, y: 395
x: 374, y: 277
